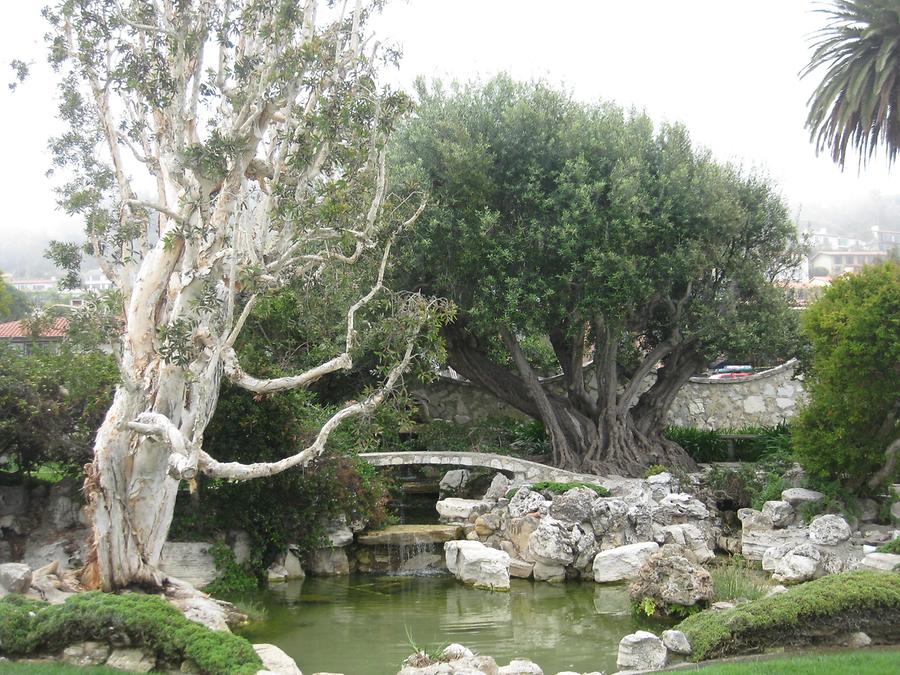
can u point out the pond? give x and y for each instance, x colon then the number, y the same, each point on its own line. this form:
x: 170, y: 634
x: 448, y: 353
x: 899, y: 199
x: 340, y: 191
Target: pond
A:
x: 364, y: 624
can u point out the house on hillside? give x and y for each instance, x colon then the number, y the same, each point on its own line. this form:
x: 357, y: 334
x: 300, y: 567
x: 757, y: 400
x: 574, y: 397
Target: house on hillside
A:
x: 20, y: 335
x: 838, y: 262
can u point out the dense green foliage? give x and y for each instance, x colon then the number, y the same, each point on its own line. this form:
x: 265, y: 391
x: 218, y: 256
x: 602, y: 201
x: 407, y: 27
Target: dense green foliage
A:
x: 555, y: 488
x: 709, y: 445
x: 853, y: 379
x: 28, y: 625
x: 893, y: 546
x: 561, y: 228
x: 51, y: 404
x: 855, y: 103
x: 868, y: 601
x: 14, y: 303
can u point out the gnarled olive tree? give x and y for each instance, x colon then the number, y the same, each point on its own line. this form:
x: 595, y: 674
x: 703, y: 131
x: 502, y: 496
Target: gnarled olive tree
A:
x: 615, y: 246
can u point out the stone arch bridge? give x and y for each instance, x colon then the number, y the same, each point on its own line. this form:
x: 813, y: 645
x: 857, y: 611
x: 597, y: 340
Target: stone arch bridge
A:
x: 522, y: 470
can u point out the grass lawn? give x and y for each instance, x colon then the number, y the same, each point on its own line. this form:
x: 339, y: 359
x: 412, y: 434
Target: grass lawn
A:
x: 861, y: 662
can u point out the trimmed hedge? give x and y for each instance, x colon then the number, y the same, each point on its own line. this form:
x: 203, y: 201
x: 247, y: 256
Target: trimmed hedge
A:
x: 30, y: 625
x: 862, y: 600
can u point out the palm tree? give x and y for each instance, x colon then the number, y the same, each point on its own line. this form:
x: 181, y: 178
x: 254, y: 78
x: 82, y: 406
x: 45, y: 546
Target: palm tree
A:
x: 856, y: 104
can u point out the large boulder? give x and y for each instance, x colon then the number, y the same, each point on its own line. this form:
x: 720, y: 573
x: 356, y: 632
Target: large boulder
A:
x: 780, y: 513
x: 474, y: 563
x: 498, y: 489
x: 688, y: 535
x: 881, y: 561
x: 190, y: 561
x: 574, y: 506
x: 641, y: 651
x: 801, y: 563
x: 669, y: 578
x: 15, y: 577
x: 520, y: 667
x: 519, y: 531
x: 679, y: 508
x: 622, y: 562
x: 676, y: 642
x: 455, y: 510
x: 829, y: 530
x: 551, y: 543
x: 608, y: 514
x: 525, y: 501
x: 754, y: 543
x: 328, y: 562
x: 131, y: 660
x: 275, y: 660
x: 454, y: 481
x: 799, y: 496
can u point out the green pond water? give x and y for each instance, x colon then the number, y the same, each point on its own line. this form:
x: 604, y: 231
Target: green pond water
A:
x: 362, y: 625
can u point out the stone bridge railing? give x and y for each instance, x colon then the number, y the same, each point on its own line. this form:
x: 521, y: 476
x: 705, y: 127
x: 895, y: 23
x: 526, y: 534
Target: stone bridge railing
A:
x: 522, y: 470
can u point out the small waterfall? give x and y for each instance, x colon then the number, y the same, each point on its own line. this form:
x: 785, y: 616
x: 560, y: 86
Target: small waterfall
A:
x: 405, y: 550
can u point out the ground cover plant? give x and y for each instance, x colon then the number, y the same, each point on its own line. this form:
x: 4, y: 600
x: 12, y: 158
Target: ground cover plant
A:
x: 836, y: 604
x: 29, y: 626
x: 557, y: 488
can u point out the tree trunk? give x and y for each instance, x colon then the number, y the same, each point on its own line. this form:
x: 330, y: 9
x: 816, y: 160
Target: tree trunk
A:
x: 132, y: 497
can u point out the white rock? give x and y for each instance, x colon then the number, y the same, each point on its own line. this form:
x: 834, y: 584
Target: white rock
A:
x: 641, y: 651
x: 498, y: 489
x: 622, y: 562
x: 754, y: 543
x: 608, y: 514
x: 83, y: 654
x: 454, y: 509
x: 829, y: 530
x: 454, y: 480
x: 275, y: 660
x: 551, y: 543
x: 131, y: 660
x: 858, y: 640
x: 751, y: 519
x: 688, y: 535
x: 455, y: 651
x: 15, y: 577
x: 676, y: 641
x: 773, y: 556
x: 521, y: 667
x: 781, y: 513
x: 881, y: 561
x: 679, y: 507
x: 798, y: 496
x: 525, y: 501
x: 552, y: 573
x: 573, y: 505
x: 474, y: 563
x: 190, y: 561
x: 520, y: 568
x: 800, y: 564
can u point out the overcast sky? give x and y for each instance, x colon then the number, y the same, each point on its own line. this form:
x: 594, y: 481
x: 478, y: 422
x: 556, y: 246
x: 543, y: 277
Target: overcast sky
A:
x: 727, y: 69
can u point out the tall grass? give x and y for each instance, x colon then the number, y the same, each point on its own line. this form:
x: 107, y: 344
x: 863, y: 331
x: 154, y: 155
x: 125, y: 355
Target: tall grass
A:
x: 735, y: 579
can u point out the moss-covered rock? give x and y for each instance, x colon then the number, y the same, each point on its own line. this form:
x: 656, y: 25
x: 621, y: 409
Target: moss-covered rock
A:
x: 28, y: 626
x: 814, y: 612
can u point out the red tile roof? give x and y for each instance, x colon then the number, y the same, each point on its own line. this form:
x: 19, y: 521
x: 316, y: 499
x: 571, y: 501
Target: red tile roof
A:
x: 17, y: 329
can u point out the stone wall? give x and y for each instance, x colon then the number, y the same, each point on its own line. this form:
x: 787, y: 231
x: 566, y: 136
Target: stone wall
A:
x: 767, y: 398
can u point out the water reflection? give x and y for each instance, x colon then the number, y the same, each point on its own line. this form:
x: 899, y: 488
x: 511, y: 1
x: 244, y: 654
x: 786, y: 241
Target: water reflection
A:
x: 359, y: 625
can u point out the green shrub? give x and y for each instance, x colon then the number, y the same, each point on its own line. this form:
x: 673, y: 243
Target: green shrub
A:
x: 232, y: 577
x: 852, y: 381
x: 892, y: 546
x: 560, y: 488
x: 655, y: 470
x: 862, y: 600
x: 709, y: 445
x: 27, y: 626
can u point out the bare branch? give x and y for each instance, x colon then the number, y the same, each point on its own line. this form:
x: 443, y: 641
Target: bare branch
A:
x: 238, y: 471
